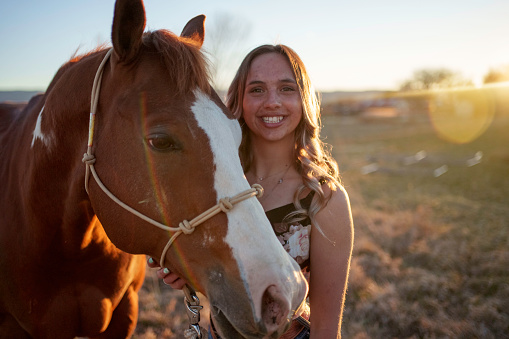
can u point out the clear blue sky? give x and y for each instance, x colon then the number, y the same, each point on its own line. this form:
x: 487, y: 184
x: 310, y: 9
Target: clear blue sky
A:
x: 346, y: 45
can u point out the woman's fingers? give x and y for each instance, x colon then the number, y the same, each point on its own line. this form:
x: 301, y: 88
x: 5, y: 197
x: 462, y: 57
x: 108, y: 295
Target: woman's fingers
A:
x: 178, y: 284
x: 164, y: 273
x: 152, y: 263
x: 168, y: 277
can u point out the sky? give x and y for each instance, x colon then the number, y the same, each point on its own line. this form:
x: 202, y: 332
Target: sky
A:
x: 345, y: 45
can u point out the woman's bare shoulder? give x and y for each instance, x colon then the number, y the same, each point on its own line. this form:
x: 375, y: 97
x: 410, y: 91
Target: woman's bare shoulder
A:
x: 337, y: 197
x: 335, y: 218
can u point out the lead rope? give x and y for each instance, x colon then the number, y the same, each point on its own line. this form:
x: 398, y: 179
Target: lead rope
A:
x: 186, y: 227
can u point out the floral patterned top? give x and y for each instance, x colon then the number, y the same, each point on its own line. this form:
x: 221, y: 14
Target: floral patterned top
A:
x: 293, y: 236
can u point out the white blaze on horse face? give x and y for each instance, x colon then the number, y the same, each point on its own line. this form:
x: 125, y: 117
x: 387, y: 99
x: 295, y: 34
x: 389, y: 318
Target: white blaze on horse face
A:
x: 261, y: 259
x: 37, y: 134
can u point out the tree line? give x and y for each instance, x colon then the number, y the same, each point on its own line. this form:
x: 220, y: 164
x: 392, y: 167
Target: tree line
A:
x: 439, y: 78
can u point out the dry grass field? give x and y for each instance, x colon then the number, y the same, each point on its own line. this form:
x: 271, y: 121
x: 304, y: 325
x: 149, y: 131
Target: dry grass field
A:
x: 431, y: 254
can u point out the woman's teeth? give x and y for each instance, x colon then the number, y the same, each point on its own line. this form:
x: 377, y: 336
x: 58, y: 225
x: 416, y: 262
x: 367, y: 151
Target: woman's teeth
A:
x: 272, y: 120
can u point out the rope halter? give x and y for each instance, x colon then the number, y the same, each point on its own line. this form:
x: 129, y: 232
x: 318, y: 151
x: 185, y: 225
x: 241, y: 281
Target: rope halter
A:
x: 186, y: 227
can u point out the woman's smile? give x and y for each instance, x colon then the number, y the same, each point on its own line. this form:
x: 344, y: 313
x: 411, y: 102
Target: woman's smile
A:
x: 272, y: 119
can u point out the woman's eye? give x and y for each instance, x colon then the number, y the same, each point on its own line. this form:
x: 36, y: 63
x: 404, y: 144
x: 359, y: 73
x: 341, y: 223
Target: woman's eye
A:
x: 288, y: 89
x: 256, y: 90
x: 162, y: 142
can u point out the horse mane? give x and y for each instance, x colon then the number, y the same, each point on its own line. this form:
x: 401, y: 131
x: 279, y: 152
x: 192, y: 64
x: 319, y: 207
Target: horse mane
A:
x: 77, y: 57
x: 185, y: 63
x: 183, y: 59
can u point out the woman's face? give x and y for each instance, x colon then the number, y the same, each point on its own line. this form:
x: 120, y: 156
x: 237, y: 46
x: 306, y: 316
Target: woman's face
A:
x: 272, y: 106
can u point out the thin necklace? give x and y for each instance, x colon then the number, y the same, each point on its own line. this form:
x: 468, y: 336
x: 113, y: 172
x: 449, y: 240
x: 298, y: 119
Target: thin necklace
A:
x: 279, y: 182
x: 274, y: 174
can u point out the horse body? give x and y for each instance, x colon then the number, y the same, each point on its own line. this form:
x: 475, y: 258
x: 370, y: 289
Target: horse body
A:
x: 166, y: 146
x: 61, y: 276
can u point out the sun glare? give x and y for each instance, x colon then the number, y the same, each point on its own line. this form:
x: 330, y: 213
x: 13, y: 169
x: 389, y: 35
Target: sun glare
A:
x: 461, y: 116
x: 497, y: 84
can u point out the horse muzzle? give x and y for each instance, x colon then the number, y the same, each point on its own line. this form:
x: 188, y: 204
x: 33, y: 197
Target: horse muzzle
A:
x: 240, y: 311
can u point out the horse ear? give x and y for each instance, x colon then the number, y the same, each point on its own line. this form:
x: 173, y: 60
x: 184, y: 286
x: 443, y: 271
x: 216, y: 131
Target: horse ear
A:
x: 128, y: 27
x: 195, y: 30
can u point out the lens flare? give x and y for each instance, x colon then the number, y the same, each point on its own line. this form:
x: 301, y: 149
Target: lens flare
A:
x: 161, y: 202
x: 461, y: 116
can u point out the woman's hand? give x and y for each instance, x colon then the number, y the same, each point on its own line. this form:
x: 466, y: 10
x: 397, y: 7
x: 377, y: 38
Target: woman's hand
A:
x: 168, y: 277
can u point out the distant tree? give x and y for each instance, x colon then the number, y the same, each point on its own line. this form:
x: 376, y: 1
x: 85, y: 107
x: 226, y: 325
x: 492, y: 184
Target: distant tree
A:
x: 225, y: 41
x: 497, y: 75
x: 429, y: 79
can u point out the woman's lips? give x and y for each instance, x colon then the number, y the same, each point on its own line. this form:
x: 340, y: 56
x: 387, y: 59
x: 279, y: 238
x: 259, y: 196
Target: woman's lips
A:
x: 272, y: 120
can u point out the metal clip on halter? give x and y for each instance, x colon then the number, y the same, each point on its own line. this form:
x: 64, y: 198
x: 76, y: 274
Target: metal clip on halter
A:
x: 193, y: 308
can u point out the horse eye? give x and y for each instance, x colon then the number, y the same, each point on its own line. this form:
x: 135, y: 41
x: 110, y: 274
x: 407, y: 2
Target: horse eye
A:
x: 162, y: 142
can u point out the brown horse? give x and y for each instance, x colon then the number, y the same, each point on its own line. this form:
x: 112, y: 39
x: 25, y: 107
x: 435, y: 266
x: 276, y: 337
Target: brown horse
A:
x: 166, y: 147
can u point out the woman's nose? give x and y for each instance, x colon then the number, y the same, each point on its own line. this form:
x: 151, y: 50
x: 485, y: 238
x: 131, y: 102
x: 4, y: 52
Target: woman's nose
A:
x: 273, y: 99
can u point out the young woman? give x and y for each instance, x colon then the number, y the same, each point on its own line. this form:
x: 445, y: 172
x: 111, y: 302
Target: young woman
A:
x: 278, y: 110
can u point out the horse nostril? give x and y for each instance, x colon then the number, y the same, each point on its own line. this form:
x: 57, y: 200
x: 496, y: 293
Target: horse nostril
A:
x: 274, y: 309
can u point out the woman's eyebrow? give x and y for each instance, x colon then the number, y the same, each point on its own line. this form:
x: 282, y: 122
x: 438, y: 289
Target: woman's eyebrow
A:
x: 255, y: 82
x: 259, y: 82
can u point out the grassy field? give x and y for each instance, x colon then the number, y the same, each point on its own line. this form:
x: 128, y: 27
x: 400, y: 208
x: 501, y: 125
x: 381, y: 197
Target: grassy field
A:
x: 431, y: 254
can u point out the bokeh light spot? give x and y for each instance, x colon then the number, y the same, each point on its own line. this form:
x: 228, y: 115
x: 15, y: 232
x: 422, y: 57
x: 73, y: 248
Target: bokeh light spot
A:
x: 461, y: 116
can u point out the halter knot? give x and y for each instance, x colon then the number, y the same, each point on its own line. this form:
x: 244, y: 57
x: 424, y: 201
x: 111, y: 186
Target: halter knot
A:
x: 259, y: 190
x: 225, y: 205
x: 88, y: 159
x: 186, y: 227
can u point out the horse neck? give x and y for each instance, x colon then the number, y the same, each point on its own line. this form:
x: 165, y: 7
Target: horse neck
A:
x: 55, y: 174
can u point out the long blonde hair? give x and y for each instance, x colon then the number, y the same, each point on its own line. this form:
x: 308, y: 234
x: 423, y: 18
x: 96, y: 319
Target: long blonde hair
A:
x: 312, y: 159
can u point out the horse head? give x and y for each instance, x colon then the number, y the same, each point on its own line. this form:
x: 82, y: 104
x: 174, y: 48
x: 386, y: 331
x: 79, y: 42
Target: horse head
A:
x: 166, y: 147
